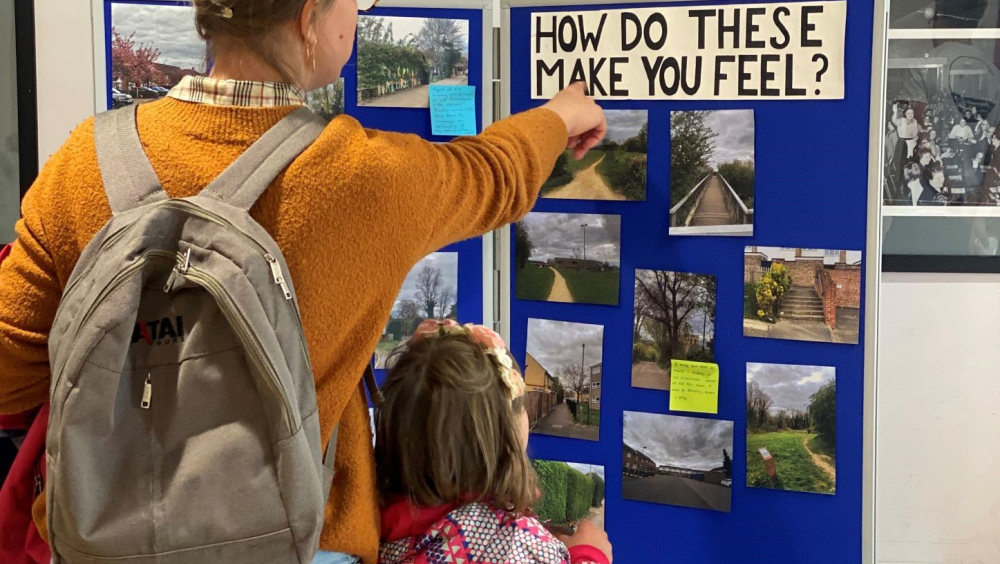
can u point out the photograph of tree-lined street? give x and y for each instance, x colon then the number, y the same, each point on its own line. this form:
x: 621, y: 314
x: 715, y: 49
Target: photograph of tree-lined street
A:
x: 399, y: 57
x: 327, y: 102
x: 570, y: 258
x: 792, y: 427
x: 614, y: 170
x: 152, y: 47
x: 674, y: 318
x: 712, y: 172
x: 563, y: 375
x: 429, y: 291
x: 571, y: 493
x: 677, y: 460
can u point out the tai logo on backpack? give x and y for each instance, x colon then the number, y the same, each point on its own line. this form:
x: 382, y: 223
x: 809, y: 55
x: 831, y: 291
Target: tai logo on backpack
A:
x: 183, y: 424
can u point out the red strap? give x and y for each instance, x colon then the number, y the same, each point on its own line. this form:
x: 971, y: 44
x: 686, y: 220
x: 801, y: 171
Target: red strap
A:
x: 4, y: 252
x: 20, y: 542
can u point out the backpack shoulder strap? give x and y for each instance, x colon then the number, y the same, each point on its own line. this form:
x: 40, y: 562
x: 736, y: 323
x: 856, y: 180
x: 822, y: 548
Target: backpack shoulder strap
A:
x: 243, y: 182
x: 129, y: 178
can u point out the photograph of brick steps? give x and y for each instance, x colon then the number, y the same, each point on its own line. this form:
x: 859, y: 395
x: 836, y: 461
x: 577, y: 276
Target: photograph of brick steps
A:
x: 819, y: 294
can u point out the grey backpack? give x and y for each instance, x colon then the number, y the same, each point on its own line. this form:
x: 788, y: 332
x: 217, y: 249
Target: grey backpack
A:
x: 183, y: 426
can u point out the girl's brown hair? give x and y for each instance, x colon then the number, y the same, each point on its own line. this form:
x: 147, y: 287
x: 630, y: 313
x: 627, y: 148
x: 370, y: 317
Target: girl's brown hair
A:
x: 253, y: 25
x: 448, y: 432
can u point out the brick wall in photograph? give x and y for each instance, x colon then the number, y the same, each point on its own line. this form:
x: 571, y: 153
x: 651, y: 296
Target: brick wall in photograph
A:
x: 849, y: 294
x: 803, y: 271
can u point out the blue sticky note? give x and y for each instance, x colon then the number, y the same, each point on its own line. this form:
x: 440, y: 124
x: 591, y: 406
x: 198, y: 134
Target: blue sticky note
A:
x: 453, y: 110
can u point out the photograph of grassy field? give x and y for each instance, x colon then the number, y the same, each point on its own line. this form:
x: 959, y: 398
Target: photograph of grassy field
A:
x: 614, y: 170
x: 792, y: 427
x: 569, y: 258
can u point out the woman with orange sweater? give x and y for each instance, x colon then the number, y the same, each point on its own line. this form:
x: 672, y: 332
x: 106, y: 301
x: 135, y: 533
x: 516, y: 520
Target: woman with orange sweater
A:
x: 352, y: 214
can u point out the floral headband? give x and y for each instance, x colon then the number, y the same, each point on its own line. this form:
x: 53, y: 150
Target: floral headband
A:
x: 485, y: 336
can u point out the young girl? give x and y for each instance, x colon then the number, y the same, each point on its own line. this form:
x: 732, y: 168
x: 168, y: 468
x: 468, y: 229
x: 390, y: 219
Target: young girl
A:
x: 453, y: 476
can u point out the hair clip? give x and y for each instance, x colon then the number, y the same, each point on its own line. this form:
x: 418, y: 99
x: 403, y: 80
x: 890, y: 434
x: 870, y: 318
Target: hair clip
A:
x: 225, y: 12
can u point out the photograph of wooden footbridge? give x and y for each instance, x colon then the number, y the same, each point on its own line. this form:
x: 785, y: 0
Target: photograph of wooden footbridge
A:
x: 712, y: 207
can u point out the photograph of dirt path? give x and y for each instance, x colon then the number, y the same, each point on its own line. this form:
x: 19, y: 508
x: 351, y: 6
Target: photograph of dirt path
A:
x: 802, y: 294
x: 792, y: 427
x: 712, y: 172
x: 563, y: 374
x: 571, y: 493
x: 399, y: 58
x: 673, y: 318
x: 429, y: 291
x: 677, y: 460
x: 152, y: 48
x: 614, y: 170
x: 570, y: 258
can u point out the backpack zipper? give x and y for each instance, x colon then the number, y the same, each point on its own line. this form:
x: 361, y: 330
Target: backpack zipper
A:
x: 147, y: 392
x: 239, y: 321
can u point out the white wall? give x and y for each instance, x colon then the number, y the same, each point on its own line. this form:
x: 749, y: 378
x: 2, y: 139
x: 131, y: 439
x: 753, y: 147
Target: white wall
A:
x: 938, y: 412
x: 65, y: 67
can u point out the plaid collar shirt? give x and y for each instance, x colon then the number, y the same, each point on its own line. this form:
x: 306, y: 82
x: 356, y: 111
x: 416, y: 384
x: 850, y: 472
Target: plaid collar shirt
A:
x: 245, y: 93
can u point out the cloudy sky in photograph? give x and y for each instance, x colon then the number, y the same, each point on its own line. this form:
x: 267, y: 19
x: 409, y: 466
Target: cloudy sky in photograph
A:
x: 446, y: 262
x: 623, y: 124
x: 401, y: 27
x: 735, y: 129
x: 168, y: 28
x: 555, y: 344
x: 698, y: 319
x: 588, y: 468
x: 558, y: 234
x: 684, y: 442
x: 772, y: 253
x: 789, y: 385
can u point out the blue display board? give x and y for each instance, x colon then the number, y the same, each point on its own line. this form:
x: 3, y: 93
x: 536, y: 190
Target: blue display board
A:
x: 811, y: 192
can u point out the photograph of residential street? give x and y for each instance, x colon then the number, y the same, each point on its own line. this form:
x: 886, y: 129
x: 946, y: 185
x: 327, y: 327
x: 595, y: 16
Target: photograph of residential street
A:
x: 792, y: 427
x: 152, y: 47
x: 327, y: 102
x: 614, y: 170
x: 571, y: 493
x: 562, y: 373
x: 712, y: 172
x: 429, y: 291
x: 399, y: 57
x: 674, y: 318
x: 570, y: 258
x: 802, y: 294
x: 677, y: 460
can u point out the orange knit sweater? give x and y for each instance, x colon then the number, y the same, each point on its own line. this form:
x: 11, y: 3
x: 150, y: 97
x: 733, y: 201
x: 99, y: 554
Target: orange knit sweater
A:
x: 352, y: 215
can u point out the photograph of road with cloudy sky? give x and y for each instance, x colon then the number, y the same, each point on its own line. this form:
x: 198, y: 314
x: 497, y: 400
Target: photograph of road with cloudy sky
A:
x: 675, y: 460
x: 614, y: 170
x: 570, y: 258
x: 152, y: 47
x: 564, y: 367
x: 712, y: 174
x: 429, y: 291
x: 792, y: 427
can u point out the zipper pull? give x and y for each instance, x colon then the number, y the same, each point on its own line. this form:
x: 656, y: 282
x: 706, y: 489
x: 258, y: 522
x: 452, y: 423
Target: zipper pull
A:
x: 180, y: 268
x: 39, y: 485
x: 279, y: 278
x: 147, y: 392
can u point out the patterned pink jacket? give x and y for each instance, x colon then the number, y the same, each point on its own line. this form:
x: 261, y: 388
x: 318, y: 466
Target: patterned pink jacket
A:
x: 475, y: 533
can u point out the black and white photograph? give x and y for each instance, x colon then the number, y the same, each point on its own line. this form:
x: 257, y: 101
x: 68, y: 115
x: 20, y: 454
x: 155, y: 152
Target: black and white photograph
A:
x: 712, y: 172
x: 563, y: 374
x: 430, y: 291
x: 327, y: 102
x: 614, y: 170
x: 676, y: 460
x: 673, y: 319
x: 400, y: 57
x: 568, y: 258
x: 152, y: 47
x: 802, y: 294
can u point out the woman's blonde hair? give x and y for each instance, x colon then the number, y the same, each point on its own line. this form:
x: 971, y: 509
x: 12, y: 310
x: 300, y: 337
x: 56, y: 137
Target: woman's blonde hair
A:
x: 253, y: 25
x: 448, y: 431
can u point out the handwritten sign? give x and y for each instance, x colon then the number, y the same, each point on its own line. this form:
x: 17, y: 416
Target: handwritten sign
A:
x: 793, y: 50
x: 453, y: 110
x: 694, y: 386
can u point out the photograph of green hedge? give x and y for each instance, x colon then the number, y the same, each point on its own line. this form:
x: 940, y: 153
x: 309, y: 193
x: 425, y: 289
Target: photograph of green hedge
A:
x: 570, y: 492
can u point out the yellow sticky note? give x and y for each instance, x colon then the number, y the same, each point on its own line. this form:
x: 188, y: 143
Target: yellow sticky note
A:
x: 694, y: 386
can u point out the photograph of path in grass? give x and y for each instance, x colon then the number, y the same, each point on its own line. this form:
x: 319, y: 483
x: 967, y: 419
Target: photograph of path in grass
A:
x: 563, y: 373
x: 429, y: 291
x: 792, y: 427
x: 674, y: 318
x: 614, y: 170
x: 569, y: 258
x: 571, y: 493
